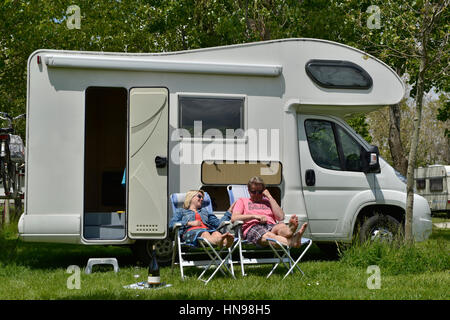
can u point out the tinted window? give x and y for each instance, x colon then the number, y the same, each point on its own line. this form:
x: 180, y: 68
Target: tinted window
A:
x: 436, y: 184
x: 214, y: 113
x: 322, y: 144
x: 332, y: 147
x: 338, y: 74
x: 351, y: 151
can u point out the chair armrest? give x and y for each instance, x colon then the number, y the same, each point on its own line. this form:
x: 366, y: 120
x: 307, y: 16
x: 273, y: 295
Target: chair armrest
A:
x: 237, y: 225
x: 223, y: 226
x: 175, y: 229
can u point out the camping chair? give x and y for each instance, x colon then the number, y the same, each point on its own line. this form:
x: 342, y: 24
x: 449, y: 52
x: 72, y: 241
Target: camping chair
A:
x: 184, y: 250
x: 282, y: 253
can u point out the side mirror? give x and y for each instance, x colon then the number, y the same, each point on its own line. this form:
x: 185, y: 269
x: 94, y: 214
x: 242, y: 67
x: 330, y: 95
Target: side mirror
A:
x: 372, y: 160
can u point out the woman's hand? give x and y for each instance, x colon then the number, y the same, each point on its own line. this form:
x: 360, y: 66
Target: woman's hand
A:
x: 194, y: 223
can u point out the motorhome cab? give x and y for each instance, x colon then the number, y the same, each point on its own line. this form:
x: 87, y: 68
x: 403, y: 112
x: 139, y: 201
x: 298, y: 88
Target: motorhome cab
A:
x: 206, y: 119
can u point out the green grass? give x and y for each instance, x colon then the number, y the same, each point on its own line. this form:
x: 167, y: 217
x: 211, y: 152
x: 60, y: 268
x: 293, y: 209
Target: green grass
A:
x: 38, y: 271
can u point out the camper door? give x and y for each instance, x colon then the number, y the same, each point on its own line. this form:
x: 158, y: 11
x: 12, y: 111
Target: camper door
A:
x: 147, y: 163
x: 332, y: 173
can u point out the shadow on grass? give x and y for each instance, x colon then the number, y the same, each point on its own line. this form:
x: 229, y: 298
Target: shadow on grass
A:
x: 56, y: 255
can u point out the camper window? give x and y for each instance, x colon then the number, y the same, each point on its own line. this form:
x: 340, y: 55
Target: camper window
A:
x: 216, y: 116
x: 436, y: 184
x: 420, y: 184
x: 338, y: 74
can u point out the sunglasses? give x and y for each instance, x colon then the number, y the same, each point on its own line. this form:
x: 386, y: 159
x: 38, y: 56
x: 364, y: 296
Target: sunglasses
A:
x: 200, y: 197
x: 255, y: 191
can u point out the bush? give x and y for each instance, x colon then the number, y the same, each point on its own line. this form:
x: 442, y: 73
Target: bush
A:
x: 399, y: 258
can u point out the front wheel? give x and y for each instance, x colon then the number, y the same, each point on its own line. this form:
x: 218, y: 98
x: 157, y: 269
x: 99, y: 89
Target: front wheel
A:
x: 142, y: 249
x: 379, y: 227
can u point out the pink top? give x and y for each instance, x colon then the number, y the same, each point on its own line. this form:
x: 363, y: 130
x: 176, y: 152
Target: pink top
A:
x: 246, y: 206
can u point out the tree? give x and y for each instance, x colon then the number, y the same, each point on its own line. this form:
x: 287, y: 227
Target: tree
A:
x: 412, y: 38
x: 431, y: 49
x: 433, y: 147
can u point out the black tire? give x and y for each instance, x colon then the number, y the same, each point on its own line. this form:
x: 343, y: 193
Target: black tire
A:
x: 380, y: 227
x: 142, y: 250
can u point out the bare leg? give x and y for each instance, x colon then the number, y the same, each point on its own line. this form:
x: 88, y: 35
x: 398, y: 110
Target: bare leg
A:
x: 218, y: 239
x: 213, y: 238
x: 264, y: 242
x: 283, y: 230
x: 294, y: 241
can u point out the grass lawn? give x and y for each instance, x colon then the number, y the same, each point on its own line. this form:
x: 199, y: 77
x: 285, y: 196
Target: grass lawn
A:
x: 38, y: 271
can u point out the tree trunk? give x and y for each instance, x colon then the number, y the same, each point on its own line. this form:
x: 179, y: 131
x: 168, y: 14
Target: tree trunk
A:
x: 395, y: 143
x: 413, y: 151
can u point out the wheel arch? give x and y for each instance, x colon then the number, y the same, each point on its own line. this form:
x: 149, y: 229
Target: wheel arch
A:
x: 370, y: 210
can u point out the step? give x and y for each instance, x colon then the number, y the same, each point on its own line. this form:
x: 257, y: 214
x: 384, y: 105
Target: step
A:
x: 104, y: 232
x: 104, y: 218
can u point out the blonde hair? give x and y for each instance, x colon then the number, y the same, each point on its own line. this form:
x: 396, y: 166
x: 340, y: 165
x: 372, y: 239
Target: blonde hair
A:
x: 189, y: 195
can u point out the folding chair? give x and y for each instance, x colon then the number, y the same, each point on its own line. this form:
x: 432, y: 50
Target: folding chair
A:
x: 282, y: 253
x: 185, y: 250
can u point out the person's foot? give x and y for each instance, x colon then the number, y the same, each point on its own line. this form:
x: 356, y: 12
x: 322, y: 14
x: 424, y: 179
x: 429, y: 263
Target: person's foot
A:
x: 296, y: 240
x: 293, y: 223
x: 228, y: 240
x: 302, y: 229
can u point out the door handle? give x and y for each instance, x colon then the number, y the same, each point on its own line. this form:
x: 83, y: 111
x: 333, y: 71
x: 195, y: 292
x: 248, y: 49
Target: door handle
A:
x: 160, y: 162
x: 310, y: 178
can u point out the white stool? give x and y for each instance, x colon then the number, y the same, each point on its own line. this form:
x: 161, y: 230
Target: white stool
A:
x: 94, y: 261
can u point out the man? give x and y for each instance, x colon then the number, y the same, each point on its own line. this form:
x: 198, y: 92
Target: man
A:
x: 261, y: 215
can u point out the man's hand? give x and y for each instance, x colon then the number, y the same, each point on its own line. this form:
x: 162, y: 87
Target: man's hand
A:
x: 276, y: 209
x: 262, y: 219
x: 267, y: 194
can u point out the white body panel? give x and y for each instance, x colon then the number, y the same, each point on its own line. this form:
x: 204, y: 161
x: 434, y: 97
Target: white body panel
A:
x: 270, y: 76
x: 148, y: 134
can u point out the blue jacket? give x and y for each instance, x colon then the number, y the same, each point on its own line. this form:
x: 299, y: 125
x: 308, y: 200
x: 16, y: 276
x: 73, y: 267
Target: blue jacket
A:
x: 183, y: 216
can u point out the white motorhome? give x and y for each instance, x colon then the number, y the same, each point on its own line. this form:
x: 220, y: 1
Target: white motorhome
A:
x: 433, y: 183
x: 205, y: 119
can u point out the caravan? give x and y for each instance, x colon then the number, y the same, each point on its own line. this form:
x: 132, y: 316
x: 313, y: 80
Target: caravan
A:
x: 433, y: 183
x: 205, y: 119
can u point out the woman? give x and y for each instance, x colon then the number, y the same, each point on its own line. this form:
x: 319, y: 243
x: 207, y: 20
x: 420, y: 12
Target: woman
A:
x: 199, y: 222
